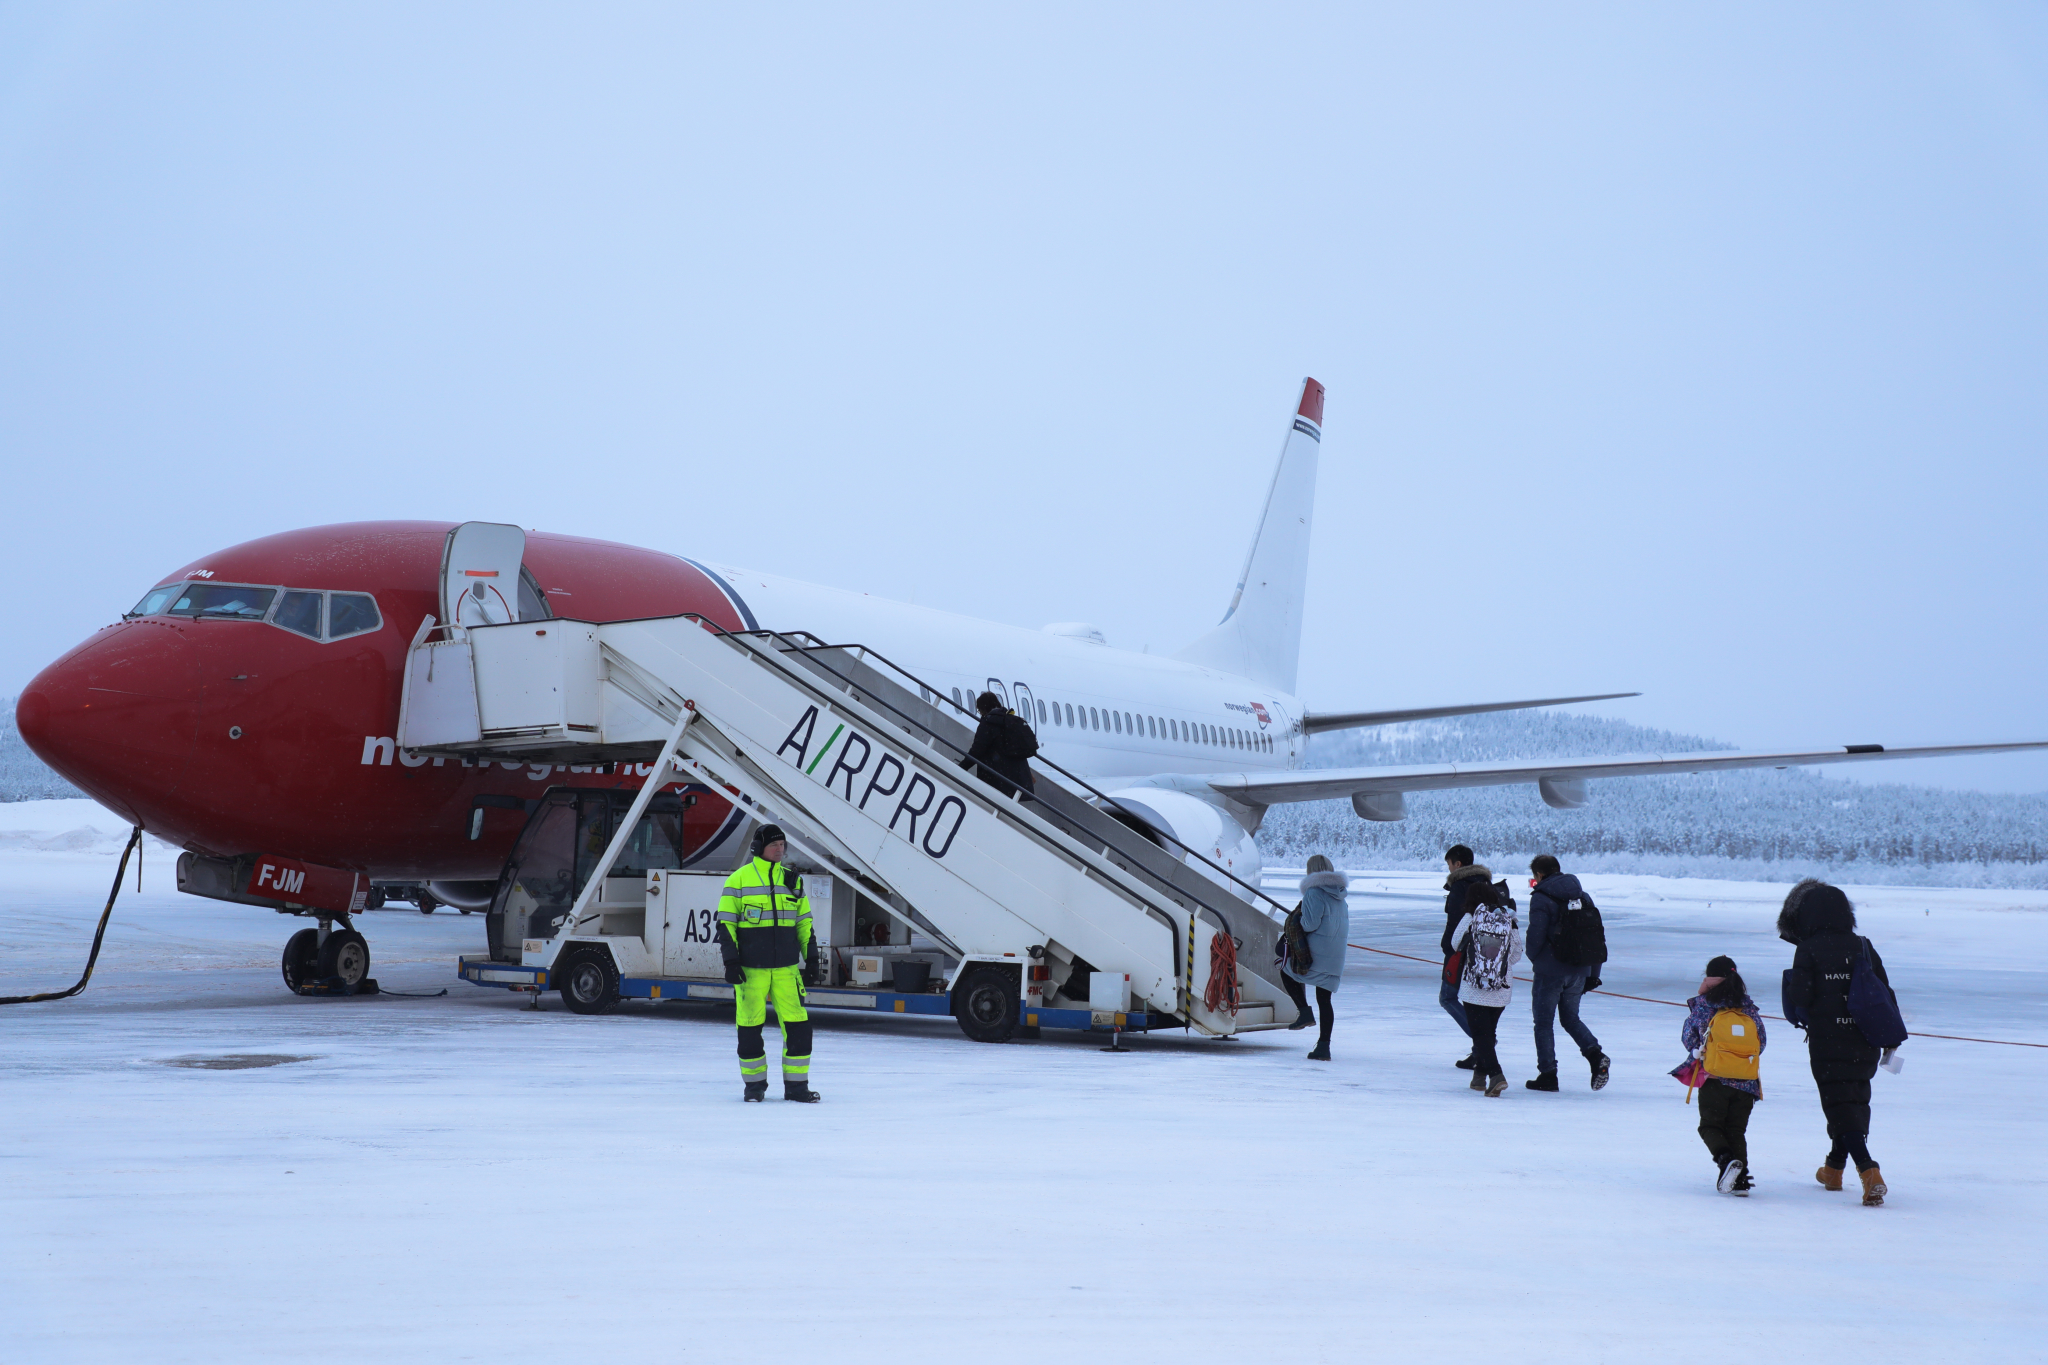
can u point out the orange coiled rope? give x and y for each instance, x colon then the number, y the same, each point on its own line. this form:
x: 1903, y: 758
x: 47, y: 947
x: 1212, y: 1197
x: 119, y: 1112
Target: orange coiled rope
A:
x: 1222, y: 993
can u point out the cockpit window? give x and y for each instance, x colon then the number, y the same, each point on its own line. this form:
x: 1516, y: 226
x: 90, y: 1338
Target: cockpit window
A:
x: 299, y: 613
x: 224, y: 600
x: 351, y: 613
x: 157, y: 601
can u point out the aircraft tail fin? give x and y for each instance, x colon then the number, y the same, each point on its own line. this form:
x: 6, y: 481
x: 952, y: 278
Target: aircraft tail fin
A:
x: 1260, y: 635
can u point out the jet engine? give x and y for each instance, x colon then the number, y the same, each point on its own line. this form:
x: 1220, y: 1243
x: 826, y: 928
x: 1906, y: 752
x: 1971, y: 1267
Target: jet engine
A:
x: 1202, y: 826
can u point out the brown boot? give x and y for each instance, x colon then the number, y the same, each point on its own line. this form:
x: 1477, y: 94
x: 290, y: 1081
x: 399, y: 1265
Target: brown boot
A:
x: 1830, y: 1178
x: 1873, y: 1187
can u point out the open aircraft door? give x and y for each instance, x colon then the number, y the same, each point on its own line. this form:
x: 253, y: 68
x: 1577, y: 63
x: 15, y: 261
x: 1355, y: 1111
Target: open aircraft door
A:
x: 480, y: 574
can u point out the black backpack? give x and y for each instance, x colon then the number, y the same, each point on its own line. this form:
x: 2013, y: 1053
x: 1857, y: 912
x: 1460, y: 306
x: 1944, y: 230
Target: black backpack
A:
x: 1578, y: 939
x: 1019, y: 742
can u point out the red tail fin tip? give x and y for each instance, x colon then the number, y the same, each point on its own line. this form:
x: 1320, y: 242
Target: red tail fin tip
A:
x: 1311, y: 401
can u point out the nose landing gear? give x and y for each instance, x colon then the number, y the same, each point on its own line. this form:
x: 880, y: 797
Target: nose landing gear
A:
x: 328, y: 961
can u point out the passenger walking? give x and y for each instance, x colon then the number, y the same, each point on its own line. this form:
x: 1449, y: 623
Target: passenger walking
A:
x: 1488, y: 945
x: 1724, y: 1035
x: 1316, y: 939
x: 765, y: 938
x: 1820, y: 922
x: 1003, y: 744
x: 1463, y: 888
x: 1558, y: 907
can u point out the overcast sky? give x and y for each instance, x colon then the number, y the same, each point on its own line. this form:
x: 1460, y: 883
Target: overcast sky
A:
x: 1701, y: 350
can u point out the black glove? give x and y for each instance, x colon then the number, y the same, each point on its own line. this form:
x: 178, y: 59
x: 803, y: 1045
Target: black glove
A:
x: 734, y: 973
x: 814, y: 965
x: 1592, y: 983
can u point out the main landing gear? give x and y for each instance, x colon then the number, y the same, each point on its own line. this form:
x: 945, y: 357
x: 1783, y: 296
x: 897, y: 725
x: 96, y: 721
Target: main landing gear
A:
x: 328, y: 961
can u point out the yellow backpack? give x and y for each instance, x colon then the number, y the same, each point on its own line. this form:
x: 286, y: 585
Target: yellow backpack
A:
x: 1733, y: 1048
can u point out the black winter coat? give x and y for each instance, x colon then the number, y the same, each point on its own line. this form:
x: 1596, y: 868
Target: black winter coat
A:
x: 1818, y: 985
x: 1546, y: 903
x: 1462, y: 893
x: 992, y: 757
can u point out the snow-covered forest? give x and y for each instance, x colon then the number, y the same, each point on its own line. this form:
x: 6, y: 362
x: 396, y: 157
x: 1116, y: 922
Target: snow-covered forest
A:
x: 23, y: 776
x: 1751, y: 826
x: 1754, y: 825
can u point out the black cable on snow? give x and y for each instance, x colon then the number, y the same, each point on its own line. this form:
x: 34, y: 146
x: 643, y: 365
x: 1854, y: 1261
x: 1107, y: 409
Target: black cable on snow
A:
x: 99, y: 934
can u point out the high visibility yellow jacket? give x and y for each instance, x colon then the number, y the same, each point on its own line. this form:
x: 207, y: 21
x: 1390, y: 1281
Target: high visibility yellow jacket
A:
x: 764, y: 913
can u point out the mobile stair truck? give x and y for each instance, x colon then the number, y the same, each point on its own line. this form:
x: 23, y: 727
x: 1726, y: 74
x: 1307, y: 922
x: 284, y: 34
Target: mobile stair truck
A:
x: 1046, y: 911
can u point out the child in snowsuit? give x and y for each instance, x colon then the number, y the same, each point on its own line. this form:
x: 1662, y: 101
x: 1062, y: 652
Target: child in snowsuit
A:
x: 1725, y: 1102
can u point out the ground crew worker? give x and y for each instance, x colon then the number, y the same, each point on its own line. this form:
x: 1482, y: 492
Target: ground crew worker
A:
x: 765, y: 938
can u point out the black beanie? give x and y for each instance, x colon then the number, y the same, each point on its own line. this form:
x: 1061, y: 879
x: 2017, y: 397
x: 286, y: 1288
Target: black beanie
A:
x: 765, y: 836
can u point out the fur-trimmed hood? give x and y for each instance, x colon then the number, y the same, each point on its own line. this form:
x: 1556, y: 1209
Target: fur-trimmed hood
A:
x: 1814, y: 907
x: 1473, y: 870
x: 1327, y: 881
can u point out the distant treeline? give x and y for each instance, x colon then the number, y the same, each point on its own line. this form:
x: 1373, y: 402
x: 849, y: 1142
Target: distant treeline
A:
x: 23, y: 776
x: 1749, y: 825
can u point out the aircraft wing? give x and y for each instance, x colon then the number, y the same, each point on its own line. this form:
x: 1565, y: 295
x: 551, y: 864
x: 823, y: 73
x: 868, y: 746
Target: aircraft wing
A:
x: 1316, y: 722
x: 1561, y: 776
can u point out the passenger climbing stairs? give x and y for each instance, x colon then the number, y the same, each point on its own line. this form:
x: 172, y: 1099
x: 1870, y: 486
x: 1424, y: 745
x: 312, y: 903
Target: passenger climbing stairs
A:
x: 860, y: 764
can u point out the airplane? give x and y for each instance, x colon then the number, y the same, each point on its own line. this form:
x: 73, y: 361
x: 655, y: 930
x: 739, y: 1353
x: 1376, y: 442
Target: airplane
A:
x: 245, y: 710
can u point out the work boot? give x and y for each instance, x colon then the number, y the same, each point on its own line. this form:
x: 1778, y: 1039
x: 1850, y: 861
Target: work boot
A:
x: 1545, y: 1081
x: 1873, y: 1187
x: 1478, y: 1079
x: 798, y: 1092
x: 1599, y: 1063
x: 756, y: 1092
x: 1321, y: 1054
x: 1496, y: 1086
x: 1830, y: 1178
x: 1731, y: 1175
x: 1463, y: 1063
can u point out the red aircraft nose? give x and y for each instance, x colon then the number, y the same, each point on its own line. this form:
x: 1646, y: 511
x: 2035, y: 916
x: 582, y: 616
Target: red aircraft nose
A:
x: 119, y: 715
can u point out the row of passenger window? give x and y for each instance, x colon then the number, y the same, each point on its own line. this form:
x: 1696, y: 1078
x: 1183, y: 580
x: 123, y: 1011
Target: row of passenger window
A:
x: 1145, y: 726
x: 315, y: 615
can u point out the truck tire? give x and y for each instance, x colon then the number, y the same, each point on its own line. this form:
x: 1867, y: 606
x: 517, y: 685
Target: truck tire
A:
x: 587, y: 979
x: 985, y: 1003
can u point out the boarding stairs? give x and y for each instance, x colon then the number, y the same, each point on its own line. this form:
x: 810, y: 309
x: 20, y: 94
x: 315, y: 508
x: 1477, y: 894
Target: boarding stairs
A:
x: 859, y: 762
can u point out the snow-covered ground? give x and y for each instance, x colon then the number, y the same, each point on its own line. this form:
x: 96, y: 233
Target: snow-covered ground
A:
x: 458, y: 1178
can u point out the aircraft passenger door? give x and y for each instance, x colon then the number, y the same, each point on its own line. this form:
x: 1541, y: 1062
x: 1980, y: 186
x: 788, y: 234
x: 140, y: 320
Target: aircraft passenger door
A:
x: 995, y: 685
x: 1024, y: 705
x: 480, y: 574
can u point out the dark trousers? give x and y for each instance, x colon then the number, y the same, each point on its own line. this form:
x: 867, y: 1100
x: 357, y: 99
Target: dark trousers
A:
x: 1325, y: 1016
x: 1724, y: 1121
x: 1447, y: 996
x: 1485, y: 1026
x: 1846, y: 1104
x: 1555, y: 996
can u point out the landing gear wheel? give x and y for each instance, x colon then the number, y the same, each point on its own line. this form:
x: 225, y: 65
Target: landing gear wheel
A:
x: 302, y: 959
x: 588, y: 980
x: 986, y: 1005
x: 346, y: 954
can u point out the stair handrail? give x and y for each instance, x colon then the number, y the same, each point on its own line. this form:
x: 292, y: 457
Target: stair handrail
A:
x: 791, y: 640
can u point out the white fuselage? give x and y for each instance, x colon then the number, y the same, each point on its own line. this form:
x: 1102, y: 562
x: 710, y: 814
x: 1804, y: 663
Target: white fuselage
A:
x: 1109, y: 715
